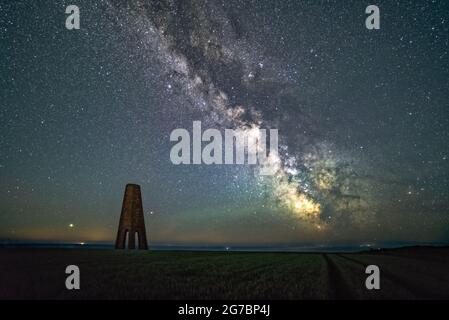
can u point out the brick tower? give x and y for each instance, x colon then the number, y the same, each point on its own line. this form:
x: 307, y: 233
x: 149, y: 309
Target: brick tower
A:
x: 131, y: 220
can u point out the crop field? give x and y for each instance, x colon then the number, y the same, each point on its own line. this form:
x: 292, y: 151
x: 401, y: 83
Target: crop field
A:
x: 409, y: 273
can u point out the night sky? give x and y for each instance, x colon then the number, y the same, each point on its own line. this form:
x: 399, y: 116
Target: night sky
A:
x: 363, y: 120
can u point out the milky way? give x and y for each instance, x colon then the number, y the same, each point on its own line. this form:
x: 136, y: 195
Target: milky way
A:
x: 362, y: 117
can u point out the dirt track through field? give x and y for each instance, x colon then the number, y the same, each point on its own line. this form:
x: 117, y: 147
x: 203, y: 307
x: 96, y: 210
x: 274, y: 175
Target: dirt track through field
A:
x: 421, y: 273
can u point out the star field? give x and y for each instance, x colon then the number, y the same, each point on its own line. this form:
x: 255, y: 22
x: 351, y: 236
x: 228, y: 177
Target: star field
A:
x: 363, y: 118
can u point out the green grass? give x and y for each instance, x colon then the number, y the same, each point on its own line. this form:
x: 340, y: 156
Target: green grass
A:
x: 111, y: 274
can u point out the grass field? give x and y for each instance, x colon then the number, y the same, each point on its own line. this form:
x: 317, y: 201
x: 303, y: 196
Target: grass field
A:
x: 411, y: 273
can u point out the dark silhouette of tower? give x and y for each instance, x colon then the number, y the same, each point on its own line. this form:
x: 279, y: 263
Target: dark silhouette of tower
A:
x: 131, y: 220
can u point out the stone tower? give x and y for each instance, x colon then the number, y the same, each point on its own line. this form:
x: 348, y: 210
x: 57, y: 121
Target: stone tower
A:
x: 131, y: 220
